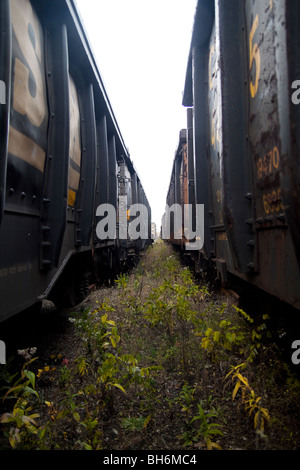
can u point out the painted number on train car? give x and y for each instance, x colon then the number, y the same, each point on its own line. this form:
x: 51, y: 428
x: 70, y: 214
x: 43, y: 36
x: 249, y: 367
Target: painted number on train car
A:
x: 268, y: 163
x: 272, y: 201
x: 254, y: 58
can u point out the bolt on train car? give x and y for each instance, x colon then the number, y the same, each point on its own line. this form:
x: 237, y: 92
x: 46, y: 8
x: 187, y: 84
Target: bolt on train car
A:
x: 239, y: 155
x: 62, y: 156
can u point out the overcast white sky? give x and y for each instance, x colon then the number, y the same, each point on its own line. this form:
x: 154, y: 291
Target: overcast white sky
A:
x: 141, y: 48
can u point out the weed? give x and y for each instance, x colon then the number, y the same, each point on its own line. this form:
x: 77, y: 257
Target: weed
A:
x: 122, y: 281
x: 250, y: 400
x: 202, y: 426
x: 22, y: 422
x: 135, y: 424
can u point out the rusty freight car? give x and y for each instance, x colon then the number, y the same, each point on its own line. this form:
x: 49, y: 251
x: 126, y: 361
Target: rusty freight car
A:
x: 243, y: 139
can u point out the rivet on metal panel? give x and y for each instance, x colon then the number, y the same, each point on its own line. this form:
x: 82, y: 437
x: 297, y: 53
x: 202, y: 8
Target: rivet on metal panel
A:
x: 260, y: 220
x: 249, y: 221
x: 11, y: 191
x: 250, y: 265
x: 250, y: 243
x: 46, y: 200
x: 23, y: 195
x: 249, y: 196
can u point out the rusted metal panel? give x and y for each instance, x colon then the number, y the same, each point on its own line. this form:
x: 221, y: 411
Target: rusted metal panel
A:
x: 269, y: 155
x: 178, y: 192
x: 264, y: 142
x: 287, y: 53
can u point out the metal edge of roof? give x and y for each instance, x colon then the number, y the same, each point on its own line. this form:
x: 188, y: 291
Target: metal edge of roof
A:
x: 203, y: 21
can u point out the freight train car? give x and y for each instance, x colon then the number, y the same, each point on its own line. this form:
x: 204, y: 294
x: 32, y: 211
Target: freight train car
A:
x: 243, y: 142
x: 62, y: 156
